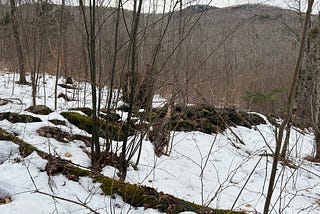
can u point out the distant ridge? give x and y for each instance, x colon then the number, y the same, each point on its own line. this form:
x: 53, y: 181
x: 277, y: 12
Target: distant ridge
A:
x: 254, y: 7
x: 199, y: 8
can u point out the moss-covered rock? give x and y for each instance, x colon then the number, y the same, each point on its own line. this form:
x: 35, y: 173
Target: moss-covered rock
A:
x: 79, y: 120
x: 233, y: 117
x: 19, y: 118
x: 39, y: 109
x: 111, y: 131
x: 183, y: 125
x: 255, y: 119
x: 105, y: 129
x: 55, y: 133
x: 206, y: 118
x: 62, y: 136
x: 207, y: 127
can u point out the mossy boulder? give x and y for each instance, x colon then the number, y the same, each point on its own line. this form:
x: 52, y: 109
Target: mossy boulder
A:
x: 39, y: 109
x: 85, y: 110
x: 19, y: 118
x: 111, y: 131
x: 85, y: 123
x: 255, y: 119
x: 206, y: 118
x: 79, y: 120
x: 206, y: 126
x: 235, y: 118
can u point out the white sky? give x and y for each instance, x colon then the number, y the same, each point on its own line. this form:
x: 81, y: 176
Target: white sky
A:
x: 225, y: 3
x: 218, y: 3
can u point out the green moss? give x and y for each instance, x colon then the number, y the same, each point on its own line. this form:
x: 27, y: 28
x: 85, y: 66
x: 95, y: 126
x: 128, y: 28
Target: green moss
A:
x: 19, y: 118
x: 206, y: 126
x: 39, y: 109
x: 80, y: 121
x: 206, y: 118
x: 150, y: 198
x: 112, y: 131
x: 25, y: 149
x: 105, y: 129
x: 75, y: 173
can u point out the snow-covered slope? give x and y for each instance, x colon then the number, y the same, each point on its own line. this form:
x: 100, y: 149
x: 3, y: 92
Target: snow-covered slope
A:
x: 213, y: 170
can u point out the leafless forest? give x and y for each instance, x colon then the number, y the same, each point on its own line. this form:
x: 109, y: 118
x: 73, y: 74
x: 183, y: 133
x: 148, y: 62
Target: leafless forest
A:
x: 206, y: 54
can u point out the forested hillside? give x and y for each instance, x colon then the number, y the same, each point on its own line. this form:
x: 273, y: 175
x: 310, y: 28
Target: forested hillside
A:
x: 197, y: 109
x: 221, y: 53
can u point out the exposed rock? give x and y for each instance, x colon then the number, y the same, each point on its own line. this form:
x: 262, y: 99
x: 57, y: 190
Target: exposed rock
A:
x: 18, y: 118
x: 62, y: 136
x: 39, y: 109
x: 106, y: 130
x: 58, y: 122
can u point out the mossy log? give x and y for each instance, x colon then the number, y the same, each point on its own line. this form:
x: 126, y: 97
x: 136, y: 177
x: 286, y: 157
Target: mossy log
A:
x: 135, y: 195
x: 104, y: 114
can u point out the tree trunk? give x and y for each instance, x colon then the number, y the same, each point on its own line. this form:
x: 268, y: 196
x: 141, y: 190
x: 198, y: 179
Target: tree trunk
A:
x: 91, y: 45
x: 133, y: 43
x: 316, y: 92
x: 16, y: 35
x: 289, y: 109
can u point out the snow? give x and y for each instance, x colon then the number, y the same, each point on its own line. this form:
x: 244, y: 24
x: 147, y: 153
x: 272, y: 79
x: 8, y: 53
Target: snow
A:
x: 213, y: 170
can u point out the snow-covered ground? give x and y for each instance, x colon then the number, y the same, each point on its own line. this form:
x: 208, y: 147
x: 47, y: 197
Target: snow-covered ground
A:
x: 213, y: 170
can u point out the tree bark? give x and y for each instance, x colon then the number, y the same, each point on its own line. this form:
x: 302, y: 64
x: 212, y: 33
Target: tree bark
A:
x: 289, y: 109
x: 133, y: 42
x: 16, y: 35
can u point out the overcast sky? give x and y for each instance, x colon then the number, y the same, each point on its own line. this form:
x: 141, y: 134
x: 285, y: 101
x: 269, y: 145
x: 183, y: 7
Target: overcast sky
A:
x: 225, y: 3
x: 218, y: 3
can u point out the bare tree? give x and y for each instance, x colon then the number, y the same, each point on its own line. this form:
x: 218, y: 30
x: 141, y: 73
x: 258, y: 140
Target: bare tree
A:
x: 90, y: 30
x: 16, y: 34
x: 289, y: 108
x: 133, y: 72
